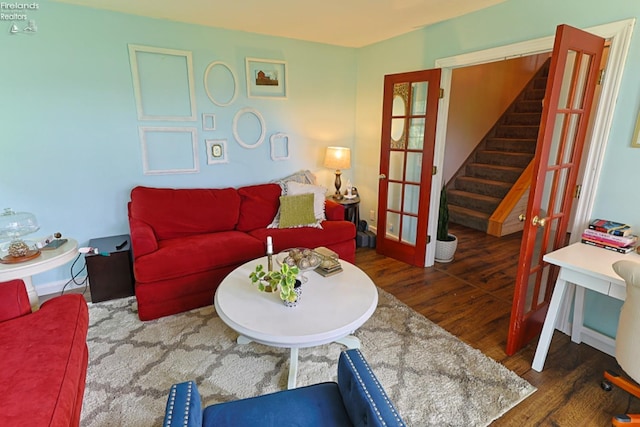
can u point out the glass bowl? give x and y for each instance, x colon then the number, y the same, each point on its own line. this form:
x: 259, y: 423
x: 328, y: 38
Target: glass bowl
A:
x: 303, y: 258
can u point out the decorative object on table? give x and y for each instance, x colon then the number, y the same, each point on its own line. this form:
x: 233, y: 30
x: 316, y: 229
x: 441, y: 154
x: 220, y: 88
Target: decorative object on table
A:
x: 283, y: 281
x: 14, y: 225
x: 351, y: 192
x: 610, y: 227
x: 446, y: 243
x: 302, y: 258
x: 329, y: 262
x: 612, y: 242
x: 337, y: 158
x: 269, y: 253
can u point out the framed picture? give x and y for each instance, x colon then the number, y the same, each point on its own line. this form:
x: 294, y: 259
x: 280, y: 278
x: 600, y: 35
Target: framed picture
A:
x: 216, y: 151
x: 266, y: 78
x: 635, y: 142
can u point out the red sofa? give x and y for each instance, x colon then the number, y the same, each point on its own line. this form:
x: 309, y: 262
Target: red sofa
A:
x: 185, y: 241
x: 44, y: 358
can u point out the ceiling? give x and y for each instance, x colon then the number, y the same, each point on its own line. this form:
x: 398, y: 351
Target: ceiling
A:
x: 350, y: 23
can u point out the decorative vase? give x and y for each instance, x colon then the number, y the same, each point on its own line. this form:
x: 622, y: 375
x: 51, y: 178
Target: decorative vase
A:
x: 297, y: 288
x: 445, y: 250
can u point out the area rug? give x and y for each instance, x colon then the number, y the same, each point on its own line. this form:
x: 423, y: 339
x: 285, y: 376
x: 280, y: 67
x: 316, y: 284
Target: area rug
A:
x: 433, y: 378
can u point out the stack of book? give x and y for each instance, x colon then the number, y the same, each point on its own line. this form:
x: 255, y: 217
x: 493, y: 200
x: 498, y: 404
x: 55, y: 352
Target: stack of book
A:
x: 329, y: 262
x: 610, y: 235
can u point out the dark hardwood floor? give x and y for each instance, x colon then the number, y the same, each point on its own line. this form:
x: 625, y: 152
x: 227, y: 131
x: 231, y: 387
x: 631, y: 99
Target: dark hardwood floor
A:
x: 471, y: 298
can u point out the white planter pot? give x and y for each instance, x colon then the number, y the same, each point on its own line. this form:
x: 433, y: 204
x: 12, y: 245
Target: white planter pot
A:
x: 446, y: 250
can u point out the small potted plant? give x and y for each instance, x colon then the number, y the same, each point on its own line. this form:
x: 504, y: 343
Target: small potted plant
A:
x: 283, y: 280
x: 446, y: 243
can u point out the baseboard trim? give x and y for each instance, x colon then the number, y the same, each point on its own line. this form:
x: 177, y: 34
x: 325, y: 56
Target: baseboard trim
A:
x: 56, y: 287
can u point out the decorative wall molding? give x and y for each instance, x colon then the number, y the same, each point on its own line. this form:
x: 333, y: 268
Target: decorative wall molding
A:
x: 169, y: 150
x: 263, y: 130
x: 211, y: 87
x: 279, y: 146
x: 168, y: 92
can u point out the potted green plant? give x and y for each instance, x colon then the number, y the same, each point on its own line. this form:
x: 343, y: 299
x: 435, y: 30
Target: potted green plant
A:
x: 446, y: 243
x: 283, y: 280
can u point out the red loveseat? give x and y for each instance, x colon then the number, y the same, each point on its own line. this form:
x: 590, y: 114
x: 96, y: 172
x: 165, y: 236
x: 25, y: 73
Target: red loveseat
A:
x: 44, y: 358
x: 185, y: 241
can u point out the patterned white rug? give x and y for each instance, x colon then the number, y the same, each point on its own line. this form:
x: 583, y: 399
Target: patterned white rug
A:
x: 433, y: 378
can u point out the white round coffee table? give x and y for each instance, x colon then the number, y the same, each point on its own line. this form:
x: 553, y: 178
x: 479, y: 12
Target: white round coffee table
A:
x: 329, y: 310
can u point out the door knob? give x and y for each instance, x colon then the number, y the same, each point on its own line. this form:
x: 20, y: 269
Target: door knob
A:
x: 522, y: 217
x: 382, y: 176
x: 539, y: 222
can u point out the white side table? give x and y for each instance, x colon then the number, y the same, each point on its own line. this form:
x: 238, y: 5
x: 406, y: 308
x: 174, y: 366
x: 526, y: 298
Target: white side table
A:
x: 48, y: 259
x: 583, y: 267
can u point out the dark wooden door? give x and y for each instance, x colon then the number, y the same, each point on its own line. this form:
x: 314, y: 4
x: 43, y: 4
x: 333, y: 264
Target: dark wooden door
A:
x: 409, y: 111
x: 568, y: 98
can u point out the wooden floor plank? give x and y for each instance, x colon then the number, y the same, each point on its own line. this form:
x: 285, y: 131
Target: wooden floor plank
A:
x: 471, y: 298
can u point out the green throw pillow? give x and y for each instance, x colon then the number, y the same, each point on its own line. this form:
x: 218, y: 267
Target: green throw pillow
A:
x: 297, y: 211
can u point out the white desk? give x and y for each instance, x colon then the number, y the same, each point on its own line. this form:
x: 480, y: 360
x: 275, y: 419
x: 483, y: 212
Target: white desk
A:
x: 330, y: 309
x: 586, y: 267
x: 47, y: 260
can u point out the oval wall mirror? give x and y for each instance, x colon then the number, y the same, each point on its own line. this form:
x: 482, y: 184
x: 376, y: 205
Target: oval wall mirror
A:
x: 220, y: 83
x: 251, y: 122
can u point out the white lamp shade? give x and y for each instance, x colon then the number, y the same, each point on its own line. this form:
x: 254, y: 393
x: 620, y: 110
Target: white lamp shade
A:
x: 337, y: 158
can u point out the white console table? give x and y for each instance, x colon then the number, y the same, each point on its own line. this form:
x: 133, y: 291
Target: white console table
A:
x: 586, y: 267
x: 47, y: 260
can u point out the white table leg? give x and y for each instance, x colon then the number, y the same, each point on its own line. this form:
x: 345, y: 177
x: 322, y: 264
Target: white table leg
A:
x: 578, y: 315
x: 34, y: 301
x: 349, y: 341
x: 549, y: 325
x: 243, y: 340
x: 293, y: 361
x: 293, y: 368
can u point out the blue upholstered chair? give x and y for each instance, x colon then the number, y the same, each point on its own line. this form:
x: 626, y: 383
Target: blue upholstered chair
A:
x: 357, y: 399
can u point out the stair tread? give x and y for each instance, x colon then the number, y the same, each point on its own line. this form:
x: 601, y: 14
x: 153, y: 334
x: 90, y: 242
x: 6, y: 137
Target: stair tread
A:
x: 486, y: 181
x: 507, y: 139
x: 497, y: 167
x: 469, y: 212
x: 510, y: 153
x: 475, y: 195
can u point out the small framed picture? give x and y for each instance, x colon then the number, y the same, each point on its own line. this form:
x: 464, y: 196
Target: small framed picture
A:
x: 266, y: 78
x: 216, y: 151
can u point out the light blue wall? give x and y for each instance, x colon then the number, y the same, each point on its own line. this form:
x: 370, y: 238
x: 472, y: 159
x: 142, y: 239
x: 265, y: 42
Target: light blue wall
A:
x: 507, y: 23
x: 69, y: 145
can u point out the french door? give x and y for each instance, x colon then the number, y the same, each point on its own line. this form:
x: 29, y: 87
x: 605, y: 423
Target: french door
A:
x: 568, y: 98
x: 409, y: 112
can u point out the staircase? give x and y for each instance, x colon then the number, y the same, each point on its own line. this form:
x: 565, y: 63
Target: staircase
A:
x: 488, y: 176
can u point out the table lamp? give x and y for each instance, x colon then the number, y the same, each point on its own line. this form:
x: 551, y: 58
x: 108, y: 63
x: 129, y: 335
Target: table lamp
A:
x: 337, y: 158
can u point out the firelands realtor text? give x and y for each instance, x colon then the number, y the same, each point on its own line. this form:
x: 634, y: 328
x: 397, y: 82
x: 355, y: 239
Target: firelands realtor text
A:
x: 14, y: 11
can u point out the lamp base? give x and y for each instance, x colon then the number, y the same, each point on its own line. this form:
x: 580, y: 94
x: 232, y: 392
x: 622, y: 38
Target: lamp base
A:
x: 338, y: 183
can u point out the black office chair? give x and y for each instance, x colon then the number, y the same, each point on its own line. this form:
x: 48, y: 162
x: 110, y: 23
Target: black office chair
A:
x: 627, y: 340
